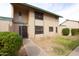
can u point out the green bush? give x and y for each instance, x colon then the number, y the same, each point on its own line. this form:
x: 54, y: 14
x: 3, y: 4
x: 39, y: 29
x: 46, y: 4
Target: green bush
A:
x: 65, y: 31
x: 10, y: 43
x: 75, y: 31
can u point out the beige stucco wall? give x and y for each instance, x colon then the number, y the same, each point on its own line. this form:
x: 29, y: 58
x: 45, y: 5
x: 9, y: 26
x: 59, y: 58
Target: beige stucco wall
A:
x: 68, y: 24
x: 39, y: 22
x: 5, y: 25
x: 50, y: 21
x: 31, y: 30
x: 71, y: 24
x: 24, y: 12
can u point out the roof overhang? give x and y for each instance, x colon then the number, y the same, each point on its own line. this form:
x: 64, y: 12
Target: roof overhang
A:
x: 37, y: 8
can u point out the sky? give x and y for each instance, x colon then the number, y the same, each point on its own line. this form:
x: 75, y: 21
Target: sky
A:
x: 67, y: 10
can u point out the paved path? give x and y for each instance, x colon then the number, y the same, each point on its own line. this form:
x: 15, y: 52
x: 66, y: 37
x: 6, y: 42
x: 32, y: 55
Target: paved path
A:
x: 32, y: 49
x: 75, y: 52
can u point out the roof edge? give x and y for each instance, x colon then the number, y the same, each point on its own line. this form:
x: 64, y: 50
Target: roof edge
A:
x: 38, y: 8
x: 5, y: 17
x: 68, y: 20
x: 42, y: 9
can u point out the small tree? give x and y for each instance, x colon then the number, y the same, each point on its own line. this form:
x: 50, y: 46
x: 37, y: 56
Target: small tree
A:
x: 65, y: 31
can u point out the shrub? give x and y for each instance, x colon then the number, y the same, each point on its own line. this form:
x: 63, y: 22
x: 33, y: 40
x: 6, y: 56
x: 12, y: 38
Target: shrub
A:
x: 65, y: 31
x: 10, y: 43
x: 75, y: 31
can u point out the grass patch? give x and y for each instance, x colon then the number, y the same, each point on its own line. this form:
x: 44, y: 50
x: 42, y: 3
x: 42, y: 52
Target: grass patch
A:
x: 68, y: 45
x: 59, y: 45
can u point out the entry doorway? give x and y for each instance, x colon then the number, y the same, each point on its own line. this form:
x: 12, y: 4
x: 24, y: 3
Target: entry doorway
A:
x: 23, y: 31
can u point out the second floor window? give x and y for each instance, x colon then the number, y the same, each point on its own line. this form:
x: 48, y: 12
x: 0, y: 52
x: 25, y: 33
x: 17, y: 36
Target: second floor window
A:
x: 50, y: 29
x: 38, y: 15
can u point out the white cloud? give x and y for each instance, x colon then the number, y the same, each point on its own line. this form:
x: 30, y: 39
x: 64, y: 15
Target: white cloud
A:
x: 71, y: 13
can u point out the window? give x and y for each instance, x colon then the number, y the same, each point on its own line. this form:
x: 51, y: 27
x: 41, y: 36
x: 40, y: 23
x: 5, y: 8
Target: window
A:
x: 20, y: 14
x: 50, y: 29
x: 39, y: 15
x: 38, y: 29
x: 56, y: 29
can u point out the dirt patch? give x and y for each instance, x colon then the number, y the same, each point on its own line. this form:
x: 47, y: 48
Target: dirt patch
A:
x: 52, y: 47
x: 47, y: 44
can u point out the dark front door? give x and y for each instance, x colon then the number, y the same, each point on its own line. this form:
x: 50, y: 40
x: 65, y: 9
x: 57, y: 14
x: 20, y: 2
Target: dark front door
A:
x: 23, y: 31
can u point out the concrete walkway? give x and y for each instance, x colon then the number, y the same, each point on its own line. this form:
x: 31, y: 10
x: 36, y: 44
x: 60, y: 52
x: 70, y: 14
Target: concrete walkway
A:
x: 32, y: 49
x: 75, y: 52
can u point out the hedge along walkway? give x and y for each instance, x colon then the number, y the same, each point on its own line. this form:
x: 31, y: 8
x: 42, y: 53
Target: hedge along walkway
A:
x: 31, y: 49
x: 75, y: 52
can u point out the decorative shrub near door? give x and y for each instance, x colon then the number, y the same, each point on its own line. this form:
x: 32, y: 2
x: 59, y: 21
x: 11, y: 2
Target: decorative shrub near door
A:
x: 10, y: 43
x: 65, y: 31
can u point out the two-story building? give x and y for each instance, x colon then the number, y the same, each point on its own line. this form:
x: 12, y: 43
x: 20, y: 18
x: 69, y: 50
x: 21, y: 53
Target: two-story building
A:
x: 32, y: 22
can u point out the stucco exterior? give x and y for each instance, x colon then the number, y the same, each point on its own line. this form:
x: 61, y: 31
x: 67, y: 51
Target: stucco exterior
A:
x: 28, y: 19
x: 5, y: 24
x: 50, y: 21
x: 71, y: 24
